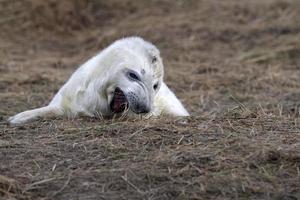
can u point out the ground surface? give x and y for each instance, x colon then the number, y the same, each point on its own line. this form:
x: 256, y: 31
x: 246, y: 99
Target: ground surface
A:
x: 234, y: 64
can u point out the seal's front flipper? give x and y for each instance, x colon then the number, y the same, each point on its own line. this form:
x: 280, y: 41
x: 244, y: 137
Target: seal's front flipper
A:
x: 167, y: 103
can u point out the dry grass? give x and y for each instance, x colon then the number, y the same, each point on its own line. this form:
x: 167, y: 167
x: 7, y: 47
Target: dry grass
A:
x: 234, y: 64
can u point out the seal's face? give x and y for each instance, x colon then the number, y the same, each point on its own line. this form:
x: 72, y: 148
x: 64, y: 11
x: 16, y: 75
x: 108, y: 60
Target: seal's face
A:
x: 134, y: 87
x: 135, y: 91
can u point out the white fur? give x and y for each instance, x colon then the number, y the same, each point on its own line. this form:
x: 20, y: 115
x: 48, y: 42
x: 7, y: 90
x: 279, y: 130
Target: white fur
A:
x: 89, y: 90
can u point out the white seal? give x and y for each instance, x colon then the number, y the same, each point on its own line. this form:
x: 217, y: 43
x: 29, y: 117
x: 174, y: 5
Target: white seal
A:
x: 126, y: 77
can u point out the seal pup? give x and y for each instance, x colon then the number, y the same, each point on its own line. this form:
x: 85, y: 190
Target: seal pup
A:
x: 127, y: 76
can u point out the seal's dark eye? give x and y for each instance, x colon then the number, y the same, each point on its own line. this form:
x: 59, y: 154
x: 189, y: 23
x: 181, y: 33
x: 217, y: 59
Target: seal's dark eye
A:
x: 155, y: 86
x: 133, y: 76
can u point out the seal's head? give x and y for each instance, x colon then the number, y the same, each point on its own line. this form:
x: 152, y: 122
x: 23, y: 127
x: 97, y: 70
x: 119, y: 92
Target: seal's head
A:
x: 136, y: 79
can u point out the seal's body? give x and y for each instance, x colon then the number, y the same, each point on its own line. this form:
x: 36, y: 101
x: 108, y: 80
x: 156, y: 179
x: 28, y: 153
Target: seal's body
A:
x: 125, y: 77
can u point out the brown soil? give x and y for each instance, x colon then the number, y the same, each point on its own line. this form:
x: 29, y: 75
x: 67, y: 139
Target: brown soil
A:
x: 234, y: 64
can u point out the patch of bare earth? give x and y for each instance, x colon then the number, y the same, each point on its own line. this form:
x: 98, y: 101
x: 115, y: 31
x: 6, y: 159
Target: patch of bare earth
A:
x: 234, y: 64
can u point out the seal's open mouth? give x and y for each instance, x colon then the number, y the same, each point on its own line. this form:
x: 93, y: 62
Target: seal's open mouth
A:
x: 119, y: 102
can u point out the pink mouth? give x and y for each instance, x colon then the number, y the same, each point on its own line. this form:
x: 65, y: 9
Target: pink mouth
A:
x: 119, y: 102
